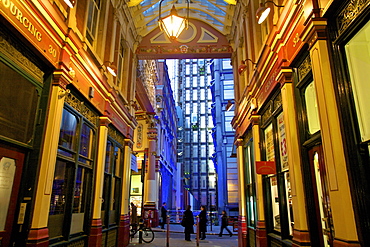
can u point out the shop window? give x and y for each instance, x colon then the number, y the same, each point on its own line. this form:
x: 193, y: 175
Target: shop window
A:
x: 112, y: 183
x: 312, y: 109
x: 19, y: 101
x: 72, y: 184
x: 250, y: 185
x: 275, y: 149
x: 358, y: 57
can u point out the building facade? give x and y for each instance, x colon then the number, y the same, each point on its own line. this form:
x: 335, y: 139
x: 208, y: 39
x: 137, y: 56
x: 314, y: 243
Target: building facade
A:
x: 70, y: 87
x: 301, y: 130
x: 222, y: 89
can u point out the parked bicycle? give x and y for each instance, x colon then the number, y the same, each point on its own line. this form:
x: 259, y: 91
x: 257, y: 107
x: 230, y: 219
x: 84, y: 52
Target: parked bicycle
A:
x: 145, y: 233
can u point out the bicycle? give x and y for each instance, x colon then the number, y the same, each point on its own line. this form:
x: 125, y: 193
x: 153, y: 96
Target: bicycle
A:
x: 147, y: 233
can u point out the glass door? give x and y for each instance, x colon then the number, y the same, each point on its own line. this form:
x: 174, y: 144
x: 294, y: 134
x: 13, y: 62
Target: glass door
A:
x: 11, y: 164
x: 318, y: 171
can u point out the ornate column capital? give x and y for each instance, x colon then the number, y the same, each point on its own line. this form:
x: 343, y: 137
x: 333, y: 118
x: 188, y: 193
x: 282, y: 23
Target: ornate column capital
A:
x: 316, y: 29
x: 104, y: 121
x: 255, y: 119
x: 62, y: 78
x: 129, y: 143
x: 285, y: 75
x: 239, y: 142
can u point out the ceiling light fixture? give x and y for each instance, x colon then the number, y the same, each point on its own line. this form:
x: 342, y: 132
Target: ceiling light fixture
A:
x: 262, y: 12
x: 173, y: 24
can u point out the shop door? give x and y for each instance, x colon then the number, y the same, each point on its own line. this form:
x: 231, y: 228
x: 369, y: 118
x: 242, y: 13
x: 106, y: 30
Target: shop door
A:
x: 11, y: 163
x: 322, y: 201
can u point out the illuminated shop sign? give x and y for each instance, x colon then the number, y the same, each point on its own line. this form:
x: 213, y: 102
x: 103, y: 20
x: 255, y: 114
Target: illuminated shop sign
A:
x: 20, y: 16
x: 17, y: 13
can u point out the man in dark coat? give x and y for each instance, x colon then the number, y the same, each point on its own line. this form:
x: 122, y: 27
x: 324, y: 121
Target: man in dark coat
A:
x: 202, y: 222
x: 188, y: 222
x: 163, y: 214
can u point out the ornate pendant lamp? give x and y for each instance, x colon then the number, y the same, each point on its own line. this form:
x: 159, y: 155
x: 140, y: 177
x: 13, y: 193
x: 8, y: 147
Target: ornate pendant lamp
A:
x: 173, y: 24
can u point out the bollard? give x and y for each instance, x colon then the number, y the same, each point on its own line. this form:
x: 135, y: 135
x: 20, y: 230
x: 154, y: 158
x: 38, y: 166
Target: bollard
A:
x: 141, y: 224
x: 168, y: 231
x: 198, y: 231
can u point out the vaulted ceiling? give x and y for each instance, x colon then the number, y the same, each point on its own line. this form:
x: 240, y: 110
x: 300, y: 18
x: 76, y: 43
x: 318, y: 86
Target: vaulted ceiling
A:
x: 217, y: 13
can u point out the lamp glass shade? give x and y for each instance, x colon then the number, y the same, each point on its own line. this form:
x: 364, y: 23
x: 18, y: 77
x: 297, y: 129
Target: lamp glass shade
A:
x: 70, y: 3
x: 173, y: 24
x: 111, y: 70
x: 262, y: 13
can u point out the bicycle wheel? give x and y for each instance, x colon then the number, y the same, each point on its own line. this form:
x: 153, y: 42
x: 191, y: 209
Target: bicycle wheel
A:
x: 148, y: 235
x: 133, y: 230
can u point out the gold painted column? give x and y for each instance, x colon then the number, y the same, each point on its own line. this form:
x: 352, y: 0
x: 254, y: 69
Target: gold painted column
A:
x: 95, y: 237
x: 261, y: 234
x: 39, y: 232
x: 300, y: 232
x: 124, y: 223
x: 242, y: 219
x: 337, y: 176
x: 150, y: 183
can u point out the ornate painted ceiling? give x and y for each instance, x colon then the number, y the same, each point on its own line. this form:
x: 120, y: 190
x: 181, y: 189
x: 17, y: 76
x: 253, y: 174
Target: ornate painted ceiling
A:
x: 216, y: 13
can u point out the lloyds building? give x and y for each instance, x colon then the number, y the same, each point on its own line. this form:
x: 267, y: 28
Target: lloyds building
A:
x: 205, y: 134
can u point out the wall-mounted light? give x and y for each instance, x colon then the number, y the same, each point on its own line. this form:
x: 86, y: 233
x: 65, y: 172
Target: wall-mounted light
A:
x: 70, y: 3
x: 112, y: 69
x: 173, y: 24
x: 243, y: 66
x: 262, y: 12
x: 229, y: 105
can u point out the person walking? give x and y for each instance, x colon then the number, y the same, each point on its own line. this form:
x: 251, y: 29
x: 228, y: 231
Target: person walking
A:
x: 188, y: 222
x: 202, y: 222
x: 224, y: 223
x: 163, y: 214
x: 134, y: 219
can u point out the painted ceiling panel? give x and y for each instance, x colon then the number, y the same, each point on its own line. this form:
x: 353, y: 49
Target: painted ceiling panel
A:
x: 216, y: 13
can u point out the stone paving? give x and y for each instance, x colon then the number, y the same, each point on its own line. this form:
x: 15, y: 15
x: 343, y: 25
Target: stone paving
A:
x: 176, y: 238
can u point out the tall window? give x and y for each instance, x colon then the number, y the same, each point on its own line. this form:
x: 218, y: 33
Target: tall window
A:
x: 112, y: 183
x: 92, y: 20
x: 71, y: 189
x: 250, y: 185
x: 275, y: 149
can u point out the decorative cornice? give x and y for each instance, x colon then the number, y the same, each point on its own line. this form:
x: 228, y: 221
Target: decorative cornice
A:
x: 15, y: 53
x: 79, y: 106
x: 304, y: 68
x: 350, y: 12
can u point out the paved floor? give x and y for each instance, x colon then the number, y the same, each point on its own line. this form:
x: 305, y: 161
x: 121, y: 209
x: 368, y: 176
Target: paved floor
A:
x: 176, y: 238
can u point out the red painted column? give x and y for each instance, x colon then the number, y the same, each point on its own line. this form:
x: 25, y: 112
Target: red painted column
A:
x: 261, y: 234
x: 95, y: 237
x: 242, y: 231
x: 38, y: 237
x: 124, y: 231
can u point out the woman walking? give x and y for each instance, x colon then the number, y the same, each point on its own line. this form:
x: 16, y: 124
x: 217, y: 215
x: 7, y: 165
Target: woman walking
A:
x: 224, y: 223
x: 188, y: 222
x: 202, y: 222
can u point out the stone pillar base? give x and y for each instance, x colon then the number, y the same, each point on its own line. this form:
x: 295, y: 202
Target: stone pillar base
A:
x: 261, y: 235
x: 38, y: 237
x: 95, y: 237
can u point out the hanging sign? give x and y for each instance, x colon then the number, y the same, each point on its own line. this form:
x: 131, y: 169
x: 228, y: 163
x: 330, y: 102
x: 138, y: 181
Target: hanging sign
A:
x: 265, y: 167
